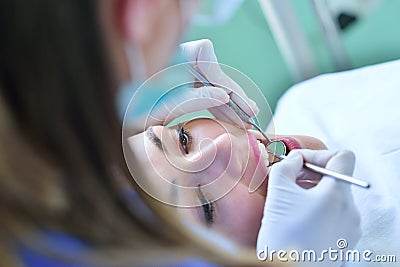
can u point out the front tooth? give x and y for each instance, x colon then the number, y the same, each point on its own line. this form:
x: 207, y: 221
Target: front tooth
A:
x: 264, y: 154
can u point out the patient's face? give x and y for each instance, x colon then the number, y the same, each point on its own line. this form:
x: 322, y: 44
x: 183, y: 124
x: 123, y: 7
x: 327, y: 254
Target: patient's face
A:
x: 202, y: 151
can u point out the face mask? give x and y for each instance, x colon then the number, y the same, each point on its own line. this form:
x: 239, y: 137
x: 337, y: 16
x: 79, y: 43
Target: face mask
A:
x: 137, y: 68
x: 151, y: 94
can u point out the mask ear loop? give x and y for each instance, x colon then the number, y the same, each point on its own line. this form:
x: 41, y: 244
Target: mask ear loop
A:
x: 136, y: 62
x: 188, y: 11
x: 137, y: 72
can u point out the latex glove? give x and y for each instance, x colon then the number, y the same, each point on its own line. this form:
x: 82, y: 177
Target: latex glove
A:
x: 159, y: 106
x: 201, y: 54
x: 171, y: 104
x: 315, y: 218
x: 184, y: 100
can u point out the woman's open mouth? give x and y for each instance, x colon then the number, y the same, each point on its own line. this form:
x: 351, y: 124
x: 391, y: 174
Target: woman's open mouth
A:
x: 290, y: 142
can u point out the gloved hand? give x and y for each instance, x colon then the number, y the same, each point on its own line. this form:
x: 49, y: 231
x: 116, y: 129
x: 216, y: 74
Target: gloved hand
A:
x: 202, y: 57
x: 183, y: 100
x: 315, y: 218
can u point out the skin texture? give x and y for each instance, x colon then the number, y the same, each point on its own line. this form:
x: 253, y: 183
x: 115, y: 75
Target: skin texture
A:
x: 216, y: 150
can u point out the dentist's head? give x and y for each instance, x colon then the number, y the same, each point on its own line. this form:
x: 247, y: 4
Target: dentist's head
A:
x: 141, y: 35
x: 62, y: 63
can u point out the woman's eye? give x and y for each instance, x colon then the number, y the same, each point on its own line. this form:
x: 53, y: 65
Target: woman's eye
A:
x: 208, y: 208
x: 185, y: 139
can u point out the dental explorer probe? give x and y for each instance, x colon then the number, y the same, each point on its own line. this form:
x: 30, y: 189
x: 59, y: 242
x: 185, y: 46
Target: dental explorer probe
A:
x: 242, y: 115
x: 330, y: 173
x: 246, y: 118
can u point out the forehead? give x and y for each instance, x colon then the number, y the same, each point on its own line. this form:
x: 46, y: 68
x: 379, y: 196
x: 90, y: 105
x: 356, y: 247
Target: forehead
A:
x: 149, y: 154
x: 151, y: 170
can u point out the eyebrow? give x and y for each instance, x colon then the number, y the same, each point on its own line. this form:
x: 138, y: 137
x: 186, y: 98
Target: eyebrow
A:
x: 154, y: 138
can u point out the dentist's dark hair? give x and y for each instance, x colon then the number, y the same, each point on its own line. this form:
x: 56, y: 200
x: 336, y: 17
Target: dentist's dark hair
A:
x: 61, y: 162
x: 60, y: 144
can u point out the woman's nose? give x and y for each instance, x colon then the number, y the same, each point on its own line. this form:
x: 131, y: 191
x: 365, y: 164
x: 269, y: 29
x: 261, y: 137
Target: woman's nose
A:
x: 215, y: 152
x: 218, y: 164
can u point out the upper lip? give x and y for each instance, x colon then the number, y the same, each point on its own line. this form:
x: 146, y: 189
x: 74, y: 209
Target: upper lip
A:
x: 290, y: 142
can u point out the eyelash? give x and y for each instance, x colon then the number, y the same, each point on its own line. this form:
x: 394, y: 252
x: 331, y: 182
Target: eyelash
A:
x: 185, y: 139
x: 208, y: 208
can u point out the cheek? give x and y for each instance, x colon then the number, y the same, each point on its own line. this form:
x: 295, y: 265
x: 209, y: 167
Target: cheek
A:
x: 226, y: 161
x: 240, y: 214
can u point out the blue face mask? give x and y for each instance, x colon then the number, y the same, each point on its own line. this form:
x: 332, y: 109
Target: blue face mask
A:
x: 148, y: 96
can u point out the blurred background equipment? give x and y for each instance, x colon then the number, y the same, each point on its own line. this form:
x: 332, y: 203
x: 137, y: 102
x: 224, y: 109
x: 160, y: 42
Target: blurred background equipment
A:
x: 278, y: 43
